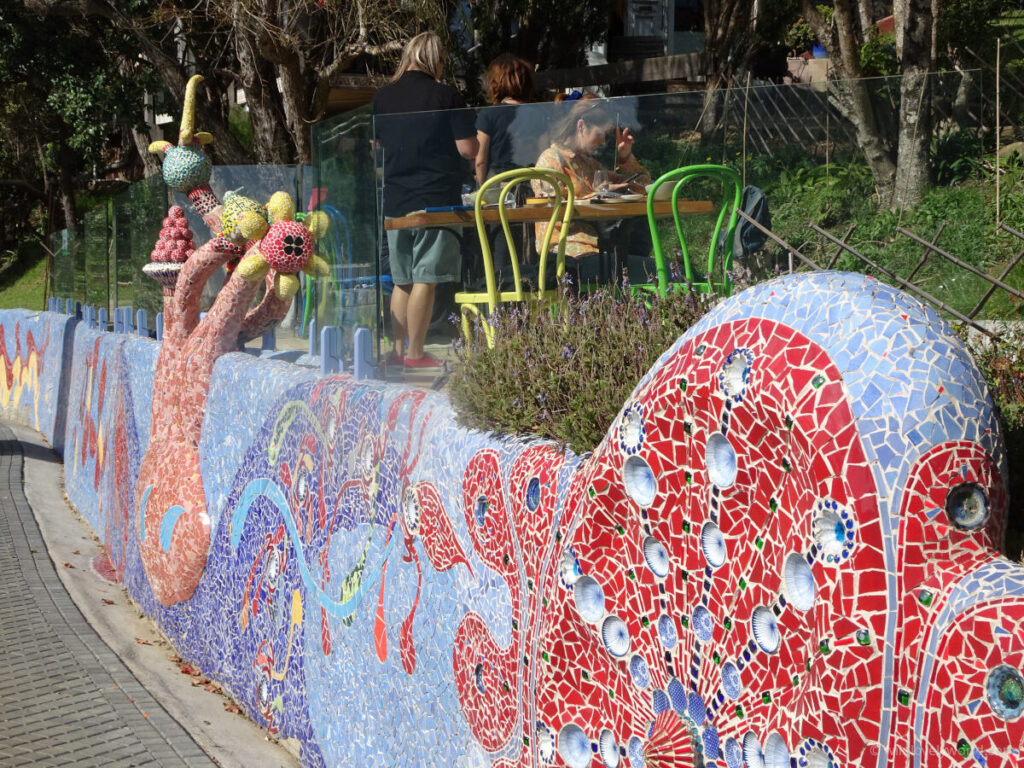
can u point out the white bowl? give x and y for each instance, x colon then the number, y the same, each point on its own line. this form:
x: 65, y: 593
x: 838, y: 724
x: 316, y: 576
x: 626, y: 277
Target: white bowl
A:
x: 664, y: 191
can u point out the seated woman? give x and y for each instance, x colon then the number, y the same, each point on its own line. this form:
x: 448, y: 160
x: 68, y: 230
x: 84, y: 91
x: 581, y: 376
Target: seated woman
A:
x: 592, y: 252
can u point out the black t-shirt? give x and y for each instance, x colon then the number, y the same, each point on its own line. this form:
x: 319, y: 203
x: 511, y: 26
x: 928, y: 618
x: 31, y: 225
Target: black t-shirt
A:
x: 518, y: 134
x: 496, y: 122
x: 422, y: 166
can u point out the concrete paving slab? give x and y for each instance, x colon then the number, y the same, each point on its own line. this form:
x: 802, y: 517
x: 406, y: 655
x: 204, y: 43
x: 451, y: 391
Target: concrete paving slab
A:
x: 86, y: 677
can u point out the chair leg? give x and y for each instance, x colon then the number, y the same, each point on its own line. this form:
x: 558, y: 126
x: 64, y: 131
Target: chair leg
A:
x: 467, y: 329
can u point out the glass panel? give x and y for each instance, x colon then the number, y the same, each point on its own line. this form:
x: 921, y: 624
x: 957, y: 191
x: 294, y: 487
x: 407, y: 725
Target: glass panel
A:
x: 95, y: 289
x: 258, y: 182
x: 138, y: 216
x: 63, y: 244
x: 347, y: 191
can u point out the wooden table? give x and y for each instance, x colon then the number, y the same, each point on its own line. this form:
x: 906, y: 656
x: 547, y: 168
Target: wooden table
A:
x: 584, y: 210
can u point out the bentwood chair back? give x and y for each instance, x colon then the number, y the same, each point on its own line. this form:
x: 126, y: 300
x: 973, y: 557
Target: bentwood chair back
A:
x: 717, y: 276
x: 522, y: 291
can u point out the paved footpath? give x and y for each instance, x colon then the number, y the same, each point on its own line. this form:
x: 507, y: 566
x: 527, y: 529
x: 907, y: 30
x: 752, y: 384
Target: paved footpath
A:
x: 65, y: 698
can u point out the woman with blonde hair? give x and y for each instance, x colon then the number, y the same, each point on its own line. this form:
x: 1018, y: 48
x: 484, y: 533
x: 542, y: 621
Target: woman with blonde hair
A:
x: 424, y: 164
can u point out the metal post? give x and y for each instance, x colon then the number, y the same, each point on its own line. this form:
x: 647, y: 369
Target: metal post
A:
x: 269, y: 342
x: 159, y: 326
x: 101, y: 319
x: 330, y: 350
x: 142, y: 323
x: 312, y: 337
x: 362, y: 354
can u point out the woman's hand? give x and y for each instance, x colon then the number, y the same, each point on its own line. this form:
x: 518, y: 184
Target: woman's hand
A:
x: 623, y: 144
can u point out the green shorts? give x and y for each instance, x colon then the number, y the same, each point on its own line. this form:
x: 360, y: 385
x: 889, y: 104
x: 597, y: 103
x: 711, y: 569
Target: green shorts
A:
x: 424, y: 256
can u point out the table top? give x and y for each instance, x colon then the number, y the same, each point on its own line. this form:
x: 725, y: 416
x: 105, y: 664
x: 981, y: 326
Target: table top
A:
x: 584, y: 210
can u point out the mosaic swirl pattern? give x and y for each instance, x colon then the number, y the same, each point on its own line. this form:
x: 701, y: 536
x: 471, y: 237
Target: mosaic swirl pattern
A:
x: 785, y: 553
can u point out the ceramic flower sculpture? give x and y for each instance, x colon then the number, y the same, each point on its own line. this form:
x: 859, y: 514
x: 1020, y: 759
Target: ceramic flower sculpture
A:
x: 174, y: 527
x: 287, y: 247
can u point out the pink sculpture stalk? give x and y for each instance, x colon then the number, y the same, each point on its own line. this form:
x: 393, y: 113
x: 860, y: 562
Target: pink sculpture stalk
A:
x: 174, y: 525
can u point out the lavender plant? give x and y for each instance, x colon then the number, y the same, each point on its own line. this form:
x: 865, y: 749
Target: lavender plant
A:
x: 563, y: 373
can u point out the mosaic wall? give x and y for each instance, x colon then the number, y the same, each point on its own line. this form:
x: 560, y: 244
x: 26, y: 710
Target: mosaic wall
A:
x: 785, y: 553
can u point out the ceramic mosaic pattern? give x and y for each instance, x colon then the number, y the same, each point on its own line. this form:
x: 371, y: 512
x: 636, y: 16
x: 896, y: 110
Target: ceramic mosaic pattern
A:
x: 784, y: 553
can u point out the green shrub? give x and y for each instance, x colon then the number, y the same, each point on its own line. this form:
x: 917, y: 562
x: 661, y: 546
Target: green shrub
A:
x: 565, y: 374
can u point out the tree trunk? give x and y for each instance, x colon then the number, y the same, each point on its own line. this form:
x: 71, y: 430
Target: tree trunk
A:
x: 853, y: 94
x: 270, y: 141
x: 294, y: 101
x: 66, y: 185
x: 916, y: 52
x: 710, y: 125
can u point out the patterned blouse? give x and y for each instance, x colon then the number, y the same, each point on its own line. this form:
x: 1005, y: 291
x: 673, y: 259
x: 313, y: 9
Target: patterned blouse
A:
x: 580, y: 167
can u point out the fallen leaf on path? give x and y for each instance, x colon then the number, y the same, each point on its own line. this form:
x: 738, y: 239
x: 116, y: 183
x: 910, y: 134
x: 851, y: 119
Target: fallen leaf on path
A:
x: 212, y: 687
x: 232, y: 708
x: 68, y: 565
x: 142, y: 641
x: 173, y: 657
x: 108, y: 602
x: 76, y: 552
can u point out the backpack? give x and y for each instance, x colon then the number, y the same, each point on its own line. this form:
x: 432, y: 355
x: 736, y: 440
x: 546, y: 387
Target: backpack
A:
x: 749, y: 239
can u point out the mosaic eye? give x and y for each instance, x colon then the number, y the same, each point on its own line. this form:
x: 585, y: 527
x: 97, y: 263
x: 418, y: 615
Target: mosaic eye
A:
x: 545, y: 743
x: 273, y: 571
x: 631, y: 429
x: 1005, y: 692
x: 765, y: 630
x: 480, y: 510
x: 574, y: 746
x: 712, y: 544
x: 753, y: 757
x: 832, y: 531
x: 656, y: 557
x: 818, y: 759
x: 366, y: 459
x: 967, y: 506
x: 733, y: 753
x: 735, y: 373
x: 569, y: 568
x: 731, y: 682
x: 799, y: 582
x: 615, y: 636
x: 302, y: 486
x: 667, y: 631
x: 332, y: 427
x: 411, y: 511
x: 702, y: 623
x: 776, y: 753
x: 721, y: 460
x: 639, y: 672
x: 589, y: 599
x: 608, y: 749
x: 533, y: 494
x: 638, y: 478
x: 263, y: 693
x: 478, y: 677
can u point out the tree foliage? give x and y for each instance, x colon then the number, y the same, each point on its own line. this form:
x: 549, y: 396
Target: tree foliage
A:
x: 71, y: 94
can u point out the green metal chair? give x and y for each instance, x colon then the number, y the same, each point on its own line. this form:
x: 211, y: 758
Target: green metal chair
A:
x: 731, y: 201
x: 470, y: 302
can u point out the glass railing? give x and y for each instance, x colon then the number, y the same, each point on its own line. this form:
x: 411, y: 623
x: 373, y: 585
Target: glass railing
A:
x: 784, y: 139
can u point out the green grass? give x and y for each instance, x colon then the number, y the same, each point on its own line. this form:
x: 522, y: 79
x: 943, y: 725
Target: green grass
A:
x: 22, y: 283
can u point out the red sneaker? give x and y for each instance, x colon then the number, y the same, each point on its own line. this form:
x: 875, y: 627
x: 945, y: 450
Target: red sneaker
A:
x: 422, y: 362
x: 393, y: 360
